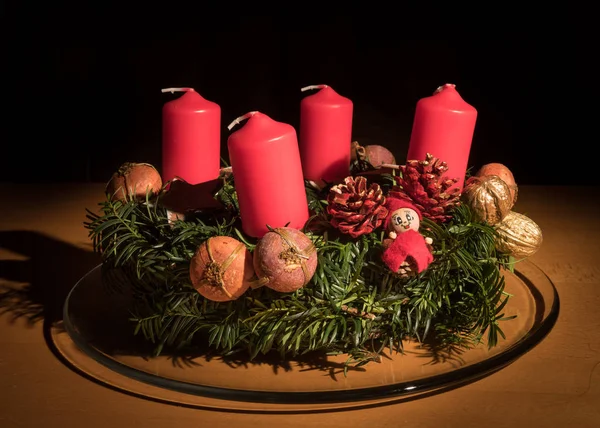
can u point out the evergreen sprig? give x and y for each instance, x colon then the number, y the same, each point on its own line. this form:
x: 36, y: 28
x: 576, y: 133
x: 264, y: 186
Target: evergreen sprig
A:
x: 353, y: 305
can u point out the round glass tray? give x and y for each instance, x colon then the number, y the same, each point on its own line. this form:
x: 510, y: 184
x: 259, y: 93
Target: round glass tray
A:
x: 96, y: 339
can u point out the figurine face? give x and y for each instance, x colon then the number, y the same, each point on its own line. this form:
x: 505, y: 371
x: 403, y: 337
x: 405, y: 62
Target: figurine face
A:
x: 404, y: 219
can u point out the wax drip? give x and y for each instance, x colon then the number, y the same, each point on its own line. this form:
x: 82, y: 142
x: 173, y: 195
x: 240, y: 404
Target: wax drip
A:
x: 173, y: 90
x: 239, y: 119
x: 308, y: 88
x: 441, y: 88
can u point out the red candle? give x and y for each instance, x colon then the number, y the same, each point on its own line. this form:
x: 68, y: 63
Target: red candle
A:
x: 325, y: 135
x: 443, y: 126
x: 191, y: 138
x: 266, y: 167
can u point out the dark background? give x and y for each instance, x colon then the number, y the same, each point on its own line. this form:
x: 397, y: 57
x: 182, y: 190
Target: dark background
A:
x: 82, y: 88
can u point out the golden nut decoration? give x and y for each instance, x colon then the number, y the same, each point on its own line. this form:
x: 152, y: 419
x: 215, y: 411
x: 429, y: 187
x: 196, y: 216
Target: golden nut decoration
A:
x: 504, y: 173
x: 489, y: 198
x: 518, y: 235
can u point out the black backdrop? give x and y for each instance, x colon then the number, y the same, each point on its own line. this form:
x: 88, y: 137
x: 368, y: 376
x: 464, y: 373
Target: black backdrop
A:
x: 82, y: 93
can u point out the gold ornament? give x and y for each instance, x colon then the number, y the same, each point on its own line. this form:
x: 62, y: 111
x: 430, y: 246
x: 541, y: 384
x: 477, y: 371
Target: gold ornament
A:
x: 488, y: 197
x: 519, y: 236
x: 504, y: 173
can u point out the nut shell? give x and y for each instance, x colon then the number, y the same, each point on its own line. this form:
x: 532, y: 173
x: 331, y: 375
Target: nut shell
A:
x: 375, y: 154
x: 286, y: 259
x: 489, y: 198
x: 519, y: 236
x: 504, y: 173
x: 221, y: 270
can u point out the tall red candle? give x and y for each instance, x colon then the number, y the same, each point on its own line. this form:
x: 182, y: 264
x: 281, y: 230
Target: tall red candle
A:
x: 443, y: 126
x: 191, y: 137
x: 265, y: 161
x: 325, y: 135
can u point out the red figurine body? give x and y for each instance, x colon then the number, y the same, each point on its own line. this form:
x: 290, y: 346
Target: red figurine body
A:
x: 407, y: 252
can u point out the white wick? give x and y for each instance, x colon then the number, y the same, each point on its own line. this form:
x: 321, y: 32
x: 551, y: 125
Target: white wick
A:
x: 239, y: 119
x: 173, y: 90
x: 441, y: 88
x: 308, y: 88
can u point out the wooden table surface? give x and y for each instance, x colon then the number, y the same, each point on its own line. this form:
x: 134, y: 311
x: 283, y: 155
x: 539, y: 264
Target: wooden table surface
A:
x: 44, y: 250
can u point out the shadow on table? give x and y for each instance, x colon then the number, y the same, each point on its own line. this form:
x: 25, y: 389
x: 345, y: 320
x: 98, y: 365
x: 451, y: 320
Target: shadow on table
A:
x: 99, y: 317
x: 38, y: 286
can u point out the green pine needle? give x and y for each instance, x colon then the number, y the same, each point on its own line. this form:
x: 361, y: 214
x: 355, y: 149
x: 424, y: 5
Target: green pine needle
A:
x: 353, y: 305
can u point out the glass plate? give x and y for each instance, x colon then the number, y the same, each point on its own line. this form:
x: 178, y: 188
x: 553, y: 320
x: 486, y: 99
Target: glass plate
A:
x: 96, y: 339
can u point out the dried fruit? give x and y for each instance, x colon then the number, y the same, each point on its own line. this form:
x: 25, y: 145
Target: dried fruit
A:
x: 355, y: 208
x: 504, y: 173
x: 425, y: 185
x: 519, y: 236
x: 133, y: 180
x: 221, y: 269
x: 488, y: 197
x: 375, y: 154
x: 285, y: 259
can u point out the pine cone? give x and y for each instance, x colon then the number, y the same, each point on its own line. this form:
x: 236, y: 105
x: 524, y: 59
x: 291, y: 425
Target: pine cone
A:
x: 356, y: 209
x: 424, y: 184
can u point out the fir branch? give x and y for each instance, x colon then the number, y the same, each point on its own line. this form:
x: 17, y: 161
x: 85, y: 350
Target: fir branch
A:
x: 352, y: 305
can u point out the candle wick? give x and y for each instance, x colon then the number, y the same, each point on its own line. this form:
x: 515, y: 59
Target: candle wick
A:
x: 308, y: 88
x: 239, y: 119
x: 173, y: 90
x: 441, y: 88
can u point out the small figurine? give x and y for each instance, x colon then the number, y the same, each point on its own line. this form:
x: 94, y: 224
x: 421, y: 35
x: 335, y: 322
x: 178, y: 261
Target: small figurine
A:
x: 406, y: 252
